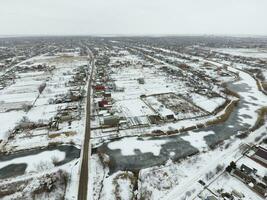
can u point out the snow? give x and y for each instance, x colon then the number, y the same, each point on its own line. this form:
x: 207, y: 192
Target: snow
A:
x: 103, y: 186
x: 43, y: 112
x: 159, y: 107
x: 117, y: 187
x: 24, y: 91
x: 177, y: 180
x: 229, y: 183
x: 129, y: 145
x: 156, y: 82
x: 72, y: 187
x: 207, y: 162
x: 208, y: 104
x: 34, y: 162
x: 133, y: 107
x: 261, y: 170
x: 8, y: 122
x: 97, y: 174
x: 251, y: 52
x: 254, y: 98
x: 197, y: 140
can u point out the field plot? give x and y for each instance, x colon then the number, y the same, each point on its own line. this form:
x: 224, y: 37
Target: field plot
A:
x: 180, y: 107
x: 154, y: 82
x: 135, y: 111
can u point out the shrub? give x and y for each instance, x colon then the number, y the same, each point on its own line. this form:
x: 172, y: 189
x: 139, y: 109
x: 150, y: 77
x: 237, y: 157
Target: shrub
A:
x: 41, y: 87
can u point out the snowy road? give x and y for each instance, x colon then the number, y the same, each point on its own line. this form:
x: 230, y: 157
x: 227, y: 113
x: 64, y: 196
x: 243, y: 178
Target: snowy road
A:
x: 83, y: 182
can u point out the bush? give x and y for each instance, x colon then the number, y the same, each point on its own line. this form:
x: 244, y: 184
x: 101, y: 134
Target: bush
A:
x: 24, y: 119
x: 26, y: 107
x: 55, y: 160
x: 42, y: 166
x: 219, y: 168
x: 209, y: 175
x: 41, y: 87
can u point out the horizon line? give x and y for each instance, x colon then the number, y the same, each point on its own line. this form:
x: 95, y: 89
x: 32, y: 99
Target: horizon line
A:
x: 130, y: 35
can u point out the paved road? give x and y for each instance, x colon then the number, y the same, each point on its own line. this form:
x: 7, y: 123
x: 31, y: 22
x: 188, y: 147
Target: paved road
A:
x: 83, y: 182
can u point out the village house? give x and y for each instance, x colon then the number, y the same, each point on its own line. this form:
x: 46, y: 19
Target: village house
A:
x: 111, y: 121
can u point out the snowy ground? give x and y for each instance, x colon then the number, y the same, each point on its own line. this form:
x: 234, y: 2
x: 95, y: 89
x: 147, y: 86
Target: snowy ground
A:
x: 179, y: 180
x: 25, y: 92
x: 254, y: 53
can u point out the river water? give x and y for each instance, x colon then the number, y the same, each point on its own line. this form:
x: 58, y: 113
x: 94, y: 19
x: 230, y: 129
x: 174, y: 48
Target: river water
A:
x: 16, y: 169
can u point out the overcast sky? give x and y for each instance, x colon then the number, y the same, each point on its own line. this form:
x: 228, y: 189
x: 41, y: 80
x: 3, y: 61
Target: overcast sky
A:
x: 134, y: 17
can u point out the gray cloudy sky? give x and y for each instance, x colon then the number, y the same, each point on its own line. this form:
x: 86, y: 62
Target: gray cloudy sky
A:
x: 133, y: 17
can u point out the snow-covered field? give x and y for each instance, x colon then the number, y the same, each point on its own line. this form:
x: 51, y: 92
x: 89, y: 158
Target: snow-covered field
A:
x: 254, y: 53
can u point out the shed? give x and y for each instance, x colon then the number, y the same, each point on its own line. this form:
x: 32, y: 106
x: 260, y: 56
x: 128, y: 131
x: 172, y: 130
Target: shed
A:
x: 99, y: 87
x: 261, y: 155
x: 242, y: 176
x: 211, y: 198
x: 102, y: 103
x: 112, y: 120
x: 141, y: 81
x: 246, y: 169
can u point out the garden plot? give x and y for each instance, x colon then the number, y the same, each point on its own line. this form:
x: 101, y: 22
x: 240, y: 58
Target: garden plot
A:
x: 155, y: 81
x: 218, y: 73
x: 159, y: 108
x: 30, y: 139
x: 16, y: 98
x: 125, y: 56
x: 206, y: 103
x: 23, y: 92
x: 58, y: 82
x: 134, y: 110
x: 43, y: 112
x: 182, y: 108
